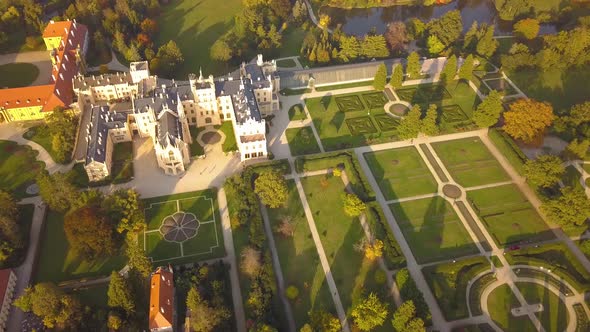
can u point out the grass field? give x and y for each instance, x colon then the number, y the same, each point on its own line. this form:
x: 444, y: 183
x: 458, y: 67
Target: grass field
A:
x: 230, y: 144
x: 296, y: 112
x: 195, y: 147
x: 508, y: 215
x: 40, y: 134
x: 206, y: 244
x: 302, y: 141
x: 58, y: 263
x: 353, y: 274
x: 561, y: 88
x: 15, y: 75
x: 331, y: 115
x: 433, y: 229
x: 500, y: 302
x: 18, y: 168
x: 554, y: 316
x: 401, y: 173
x: 192, y: 24
x: 299, y: 260
x: 469, y: 162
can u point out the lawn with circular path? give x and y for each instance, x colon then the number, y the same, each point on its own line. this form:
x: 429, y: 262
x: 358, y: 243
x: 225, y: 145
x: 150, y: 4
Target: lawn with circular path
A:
x: 14, y: 75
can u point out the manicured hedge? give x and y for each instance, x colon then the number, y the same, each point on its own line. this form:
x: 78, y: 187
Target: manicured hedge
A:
x: 393, y: 256
x: 509, y: 149
x: 409, y: 291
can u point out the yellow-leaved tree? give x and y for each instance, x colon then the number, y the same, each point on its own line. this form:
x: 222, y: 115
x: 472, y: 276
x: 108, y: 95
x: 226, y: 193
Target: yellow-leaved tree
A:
x: 527, y: 119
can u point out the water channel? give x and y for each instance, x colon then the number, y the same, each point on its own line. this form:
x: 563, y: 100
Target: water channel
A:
x: 360, y: 21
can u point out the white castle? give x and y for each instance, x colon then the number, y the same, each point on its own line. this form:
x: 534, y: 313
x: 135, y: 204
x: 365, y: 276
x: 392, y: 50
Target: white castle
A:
x: 164, y: 109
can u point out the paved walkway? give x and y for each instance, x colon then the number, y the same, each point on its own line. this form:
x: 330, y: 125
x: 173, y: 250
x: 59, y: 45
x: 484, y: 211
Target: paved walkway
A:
x: 114, y: 64
x: 228, y: 242
x: 25, y: 270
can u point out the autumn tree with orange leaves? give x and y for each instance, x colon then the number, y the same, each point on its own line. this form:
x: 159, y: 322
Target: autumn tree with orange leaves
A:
x: 527, y: 119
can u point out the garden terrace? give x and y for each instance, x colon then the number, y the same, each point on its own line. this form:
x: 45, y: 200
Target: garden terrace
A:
x: 346, y: 160
x: 556, y: 257
x: 352, y: 272
x: 18, y: 168
x: 470, y: 162
x: 508, y: 215
x: 348, y: 120
x: 433, y: 229
x: 302, y: 141
x: 401, y: 173
x: 299, y: 259
x: 449, y: 282
x: 57, y: 262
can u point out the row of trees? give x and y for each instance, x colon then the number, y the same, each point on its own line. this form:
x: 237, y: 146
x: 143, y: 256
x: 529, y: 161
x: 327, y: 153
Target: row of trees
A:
x: 12, y: 240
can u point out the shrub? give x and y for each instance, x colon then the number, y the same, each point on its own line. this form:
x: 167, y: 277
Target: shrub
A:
x: 380, y: 277
x: 292, y: 292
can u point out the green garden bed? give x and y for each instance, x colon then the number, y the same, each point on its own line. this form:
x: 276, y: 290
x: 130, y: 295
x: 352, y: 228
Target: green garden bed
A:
x: 302, y: 141
x: 401, y: 173
x: 230, y: 144
x: 433, y: 229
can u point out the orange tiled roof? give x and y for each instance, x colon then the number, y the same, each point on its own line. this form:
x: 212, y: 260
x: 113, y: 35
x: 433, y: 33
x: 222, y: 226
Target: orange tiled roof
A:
x: 161, y: 299
x: 60, y: 91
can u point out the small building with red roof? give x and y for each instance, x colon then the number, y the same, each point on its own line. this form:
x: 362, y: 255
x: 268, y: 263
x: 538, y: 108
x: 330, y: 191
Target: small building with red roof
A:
x: 162, y: 312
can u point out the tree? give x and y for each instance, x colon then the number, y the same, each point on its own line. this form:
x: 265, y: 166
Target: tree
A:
x: 292, y: 292
x: 149, y: 26
x: 323, y: 321
x: 405, y: 320
x: 409, y: 126
x: 396, y: 37
x: 353, y: 206
x: 51, y: 304
x: 114, y: 321
x: 204, y: 316
x: 435, y: 46
x: 449, y: 71
x: 307, y: 327
x: 251, y: 261
x: 286, y: 227
x: 545, y: 171
x: 170, y: 58
x: 577, y: 149
x: 466, y: 70
x: 415, y: 28
x: 56, y: 190
x: 350, y: 48
x: 324, y: 21
x: 397, y: 76
x: 125, y: 206
x: 370, y: 313
x: 488, y: 112
x: 374, y: 47
x: 62, y: 126
x: 527, y: 119
x: 137, y: 259
x: 8, y: 220
x: 220, y: 51
x: 487, y: 44
x: 429, y: 123
x: 447, y: 28
x: 271, y: 187
x: 380, y: 78
x: 119, y: 294
x: 103, y: 69
x: 571, y: 207
x: 90, y: 233
x: 527, y: 28
x: 413, y: 67
x: 374, y: 251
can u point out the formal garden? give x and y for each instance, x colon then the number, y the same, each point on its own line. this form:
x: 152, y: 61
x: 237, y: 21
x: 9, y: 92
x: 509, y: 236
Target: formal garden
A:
x: 351, y: 120
x: 182, y: 228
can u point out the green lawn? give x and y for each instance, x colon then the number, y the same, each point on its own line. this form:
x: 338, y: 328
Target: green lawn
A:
x: 299, y: 260
x: 353, y: 274
x: 40, y: 135
x: 449, y: 283
x: 15, y: 75
x: 508, y: 215
x: 456, y: 102
x: 18, y: 168
x: 230, y: 144
x: 302, y: 141
x: 500, y: 302
x: 95, y: 296
x: 57, y: 263
x: 291, y: 41
x: 554, y: 316
x: 560, y: 88
x: 348, y: 120
x: 208, y: 242
x: 296, y: 112
x: 401, y: 173
x: 192, y: 24
x: 433, y: 229
x: 469, y: 162
x: 572, y: 177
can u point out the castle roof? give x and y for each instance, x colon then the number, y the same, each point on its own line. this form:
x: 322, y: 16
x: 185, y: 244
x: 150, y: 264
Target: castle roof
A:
x: 161, y: 299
